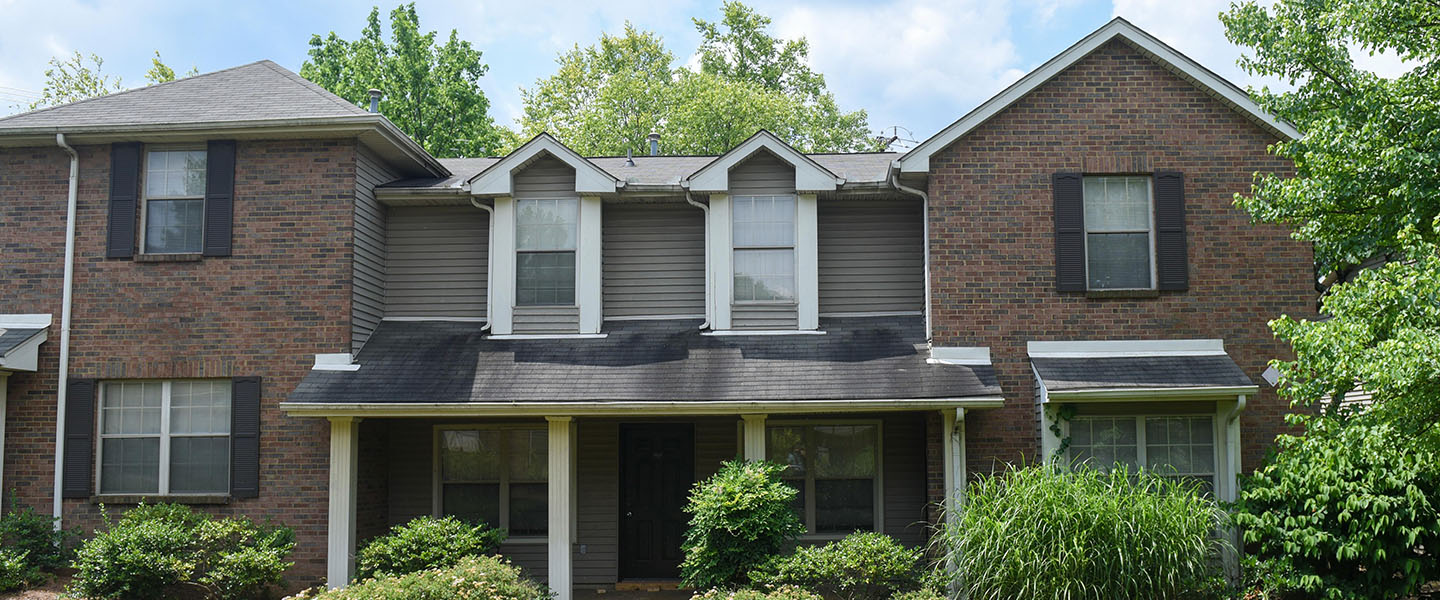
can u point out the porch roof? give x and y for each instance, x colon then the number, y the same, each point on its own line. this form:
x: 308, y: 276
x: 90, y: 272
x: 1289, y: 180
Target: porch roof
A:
x: 1137, y: 373
x: 667, y: 362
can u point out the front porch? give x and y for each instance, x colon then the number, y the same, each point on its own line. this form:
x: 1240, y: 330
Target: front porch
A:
x: 594, y: 504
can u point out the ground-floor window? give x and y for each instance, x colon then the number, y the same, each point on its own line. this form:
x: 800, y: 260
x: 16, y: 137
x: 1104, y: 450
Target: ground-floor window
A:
x: 496, y: 475
x: 1171, y: 446
x: 836, y: 468
x: 165, y: 437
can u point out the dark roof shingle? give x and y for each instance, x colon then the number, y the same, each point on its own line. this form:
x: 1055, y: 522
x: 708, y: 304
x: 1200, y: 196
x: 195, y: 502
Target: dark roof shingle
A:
x: 1072, y: 374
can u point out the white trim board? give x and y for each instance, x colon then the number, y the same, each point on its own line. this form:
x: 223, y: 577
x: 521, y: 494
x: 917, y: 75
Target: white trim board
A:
x: 496, y: 179
x: 31, y: 321
x: 1155, y: 394
x: 25, y: 356
x: 809, y: 175
x: 917, y: 160
x: 1124, y: 348
x: 630, y: 408
x: 334, y: 362
x: 959, y: 355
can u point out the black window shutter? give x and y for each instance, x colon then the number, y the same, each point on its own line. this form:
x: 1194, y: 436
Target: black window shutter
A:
x: 1069, y: 193
x: 79, y: 428
x: 245, y: 437
x: 124, y: 199
x: 1171, y: 258
x: 219, y: 196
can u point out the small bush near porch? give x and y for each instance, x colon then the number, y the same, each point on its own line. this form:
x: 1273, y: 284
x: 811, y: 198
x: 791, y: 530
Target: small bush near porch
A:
x: 742, y: 517
x: 1041, y: 532
x: 425, y: 543
x: 476, y: 577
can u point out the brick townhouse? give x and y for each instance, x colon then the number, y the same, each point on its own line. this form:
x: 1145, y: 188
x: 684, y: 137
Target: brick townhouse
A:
x: 280, y: 306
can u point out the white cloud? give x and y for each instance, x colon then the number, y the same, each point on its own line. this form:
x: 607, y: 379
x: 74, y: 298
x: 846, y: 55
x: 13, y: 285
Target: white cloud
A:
x: 1193, y: 27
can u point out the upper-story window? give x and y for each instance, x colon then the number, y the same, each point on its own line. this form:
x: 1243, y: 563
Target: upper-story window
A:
x: 545, y: 236
x: 174, y: 201
x: 1119, y: 240
x: 764, y: 239
x: 165, y: 437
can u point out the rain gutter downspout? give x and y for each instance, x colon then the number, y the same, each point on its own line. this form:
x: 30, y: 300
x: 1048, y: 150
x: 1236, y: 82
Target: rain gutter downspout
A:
x: 925, y: 232
x: 65, y: 298
x: 709, y: 295
x: 489, y: 262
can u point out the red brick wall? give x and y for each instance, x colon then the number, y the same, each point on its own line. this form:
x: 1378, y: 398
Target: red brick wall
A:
x: 282, y: 297
x: 992, y: 240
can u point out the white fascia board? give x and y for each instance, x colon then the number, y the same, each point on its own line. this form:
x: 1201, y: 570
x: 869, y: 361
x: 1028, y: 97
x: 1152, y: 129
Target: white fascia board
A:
x: 917, y: 160
x: 30, y: 321
x: 1150, y: 394
x: 334, y: 362
x: 496, y: 179
x: 630, y: 408
x: 26, y: 356
x: 959, y: 355
x: 715, y: 177
x: 547, y: 336
x: 744, y: 332
x: 1125, y: 348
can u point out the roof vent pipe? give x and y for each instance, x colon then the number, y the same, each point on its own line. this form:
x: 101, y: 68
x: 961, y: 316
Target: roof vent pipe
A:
x: 374, y: 100
x: 629, y: 157
x: 654, y: 143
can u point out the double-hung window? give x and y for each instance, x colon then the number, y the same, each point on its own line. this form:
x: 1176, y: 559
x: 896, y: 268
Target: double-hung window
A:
x: 545, y: 237
x: 174, y: 201
x: 835, y: 467
x: 165, y: 437
x: 764, y: 246
x: 1119, y: 233
x: 1170, y: 446
x: 496, y: 476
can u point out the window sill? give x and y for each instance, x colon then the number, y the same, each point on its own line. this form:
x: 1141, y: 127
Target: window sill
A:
x: 1104, y: 294
x: 159, y: 258
x: 196, y: 499
x: 529, y: 540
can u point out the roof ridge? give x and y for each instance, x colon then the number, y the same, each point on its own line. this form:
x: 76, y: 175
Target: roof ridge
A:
x: 134, y: 89
x: 313, y: 87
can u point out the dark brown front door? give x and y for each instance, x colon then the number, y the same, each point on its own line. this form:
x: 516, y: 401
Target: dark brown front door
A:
x: 657, y: 468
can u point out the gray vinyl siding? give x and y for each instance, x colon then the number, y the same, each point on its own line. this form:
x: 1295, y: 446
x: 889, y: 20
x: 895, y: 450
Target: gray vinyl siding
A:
x: 598, y: 515
x: 367, y: 304
x: 871, y: 256
x: 716, y: 441
x: 654, y: 260
x: 764, y: 316
x: 437, y: 261
x: 546, y: 177
x: 546, y: 319
x: 903, y: 469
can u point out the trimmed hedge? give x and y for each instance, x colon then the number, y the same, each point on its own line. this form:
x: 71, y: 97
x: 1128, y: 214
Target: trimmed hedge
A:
x: 425, y: 543
x: 472, y: 578
x: 862, y: 566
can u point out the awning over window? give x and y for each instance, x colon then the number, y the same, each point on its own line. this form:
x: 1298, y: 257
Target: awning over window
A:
x: 1136, y: 369
x: 20, y: 339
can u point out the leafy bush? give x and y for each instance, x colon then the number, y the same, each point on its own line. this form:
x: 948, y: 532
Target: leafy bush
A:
x: 425, y: 543
x: 17, y: 571
x: 923, y: 593
x: 475, y: 577
x: 742, y: 516
x: 786, y: 592
x: 158, y: 551
x: 1346, y: 511
x: 862, y: 566
x: 23, y: 529
x: 1042, y: 532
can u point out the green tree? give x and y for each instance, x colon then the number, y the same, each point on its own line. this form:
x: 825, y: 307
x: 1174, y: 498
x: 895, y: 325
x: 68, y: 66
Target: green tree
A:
x: 431, y: 90
x: 605, y: 98
x: 82, y: 77
x: 160, y: 73
x: 1366, y: 184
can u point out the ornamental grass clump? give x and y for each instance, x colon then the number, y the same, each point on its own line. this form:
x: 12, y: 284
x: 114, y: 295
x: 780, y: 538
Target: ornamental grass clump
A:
x: 1043, y: 532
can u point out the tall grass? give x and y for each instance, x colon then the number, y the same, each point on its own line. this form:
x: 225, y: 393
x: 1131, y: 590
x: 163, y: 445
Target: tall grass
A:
x: 1041, y: 532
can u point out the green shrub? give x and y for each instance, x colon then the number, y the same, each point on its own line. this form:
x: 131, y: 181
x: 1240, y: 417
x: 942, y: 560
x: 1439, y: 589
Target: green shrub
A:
x: 17, y: 571
x: 1041, y: 532
x: 473, y: 578
x: 862, y: 566
x: 1346, y: 511
x: 924, y: 593
x: 23, y: 529
x: 786, y: 592
x: 425, y: 543
x: 160, y: 551
x: 742, y: 516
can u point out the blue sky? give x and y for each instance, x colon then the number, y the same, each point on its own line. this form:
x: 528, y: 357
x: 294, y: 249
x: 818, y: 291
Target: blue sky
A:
x: 917, y: 64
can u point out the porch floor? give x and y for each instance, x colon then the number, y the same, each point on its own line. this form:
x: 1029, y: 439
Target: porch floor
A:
x: 611, y: 594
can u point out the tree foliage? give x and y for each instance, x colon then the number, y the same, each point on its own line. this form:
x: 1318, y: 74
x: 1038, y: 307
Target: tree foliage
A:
x: 160, y: 72
x: 1366, y: 185
x: 607, y: 97
x: 431, y: 89
x: 82, y: 77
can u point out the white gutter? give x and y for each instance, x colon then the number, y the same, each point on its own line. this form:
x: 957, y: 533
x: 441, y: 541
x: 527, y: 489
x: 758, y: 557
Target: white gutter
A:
x: 489, y: 262
x: 925, y: 232
x: 65, y: 296
x: 709, y: 299
x: 629, y: 407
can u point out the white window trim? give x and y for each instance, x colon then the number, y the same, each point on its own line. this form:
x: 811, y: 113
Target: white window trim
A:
x: 1140, y: 443
x: 1149, y: 207
x: 145, y: 195
x: 437, y: 496
x: 794, y: 249
x: 808, y: 518
x: 574, y: 250
x: 163, y: 485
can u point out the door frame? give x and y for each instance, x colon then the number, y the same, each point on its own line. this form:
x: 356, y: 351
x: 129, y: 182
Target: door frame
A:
x: 625, y: 428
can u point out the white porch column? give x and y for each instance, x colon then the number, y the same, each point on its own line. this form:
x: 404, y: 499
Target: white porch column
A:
x: 344, y: 460
x: 952, y: 432
x: 559, y: 507
x: 754, y: 437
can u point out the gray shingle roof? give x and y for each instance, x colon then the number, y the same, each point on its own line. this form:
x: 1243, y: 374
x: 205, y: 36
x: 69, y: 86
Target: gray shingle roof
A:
x: 13, y: 337
x: 258, y: 91
x: 666, y: 170
x: 858, y: 358
x: 1069, y: 374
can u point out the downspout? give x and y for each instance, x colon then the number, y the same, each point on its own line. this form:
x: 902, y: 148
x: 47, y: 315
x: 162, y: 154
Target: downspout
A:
x: 65, y: 296
x: 925, y: 232
x: 709, y: 295
x: 489, y: 262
